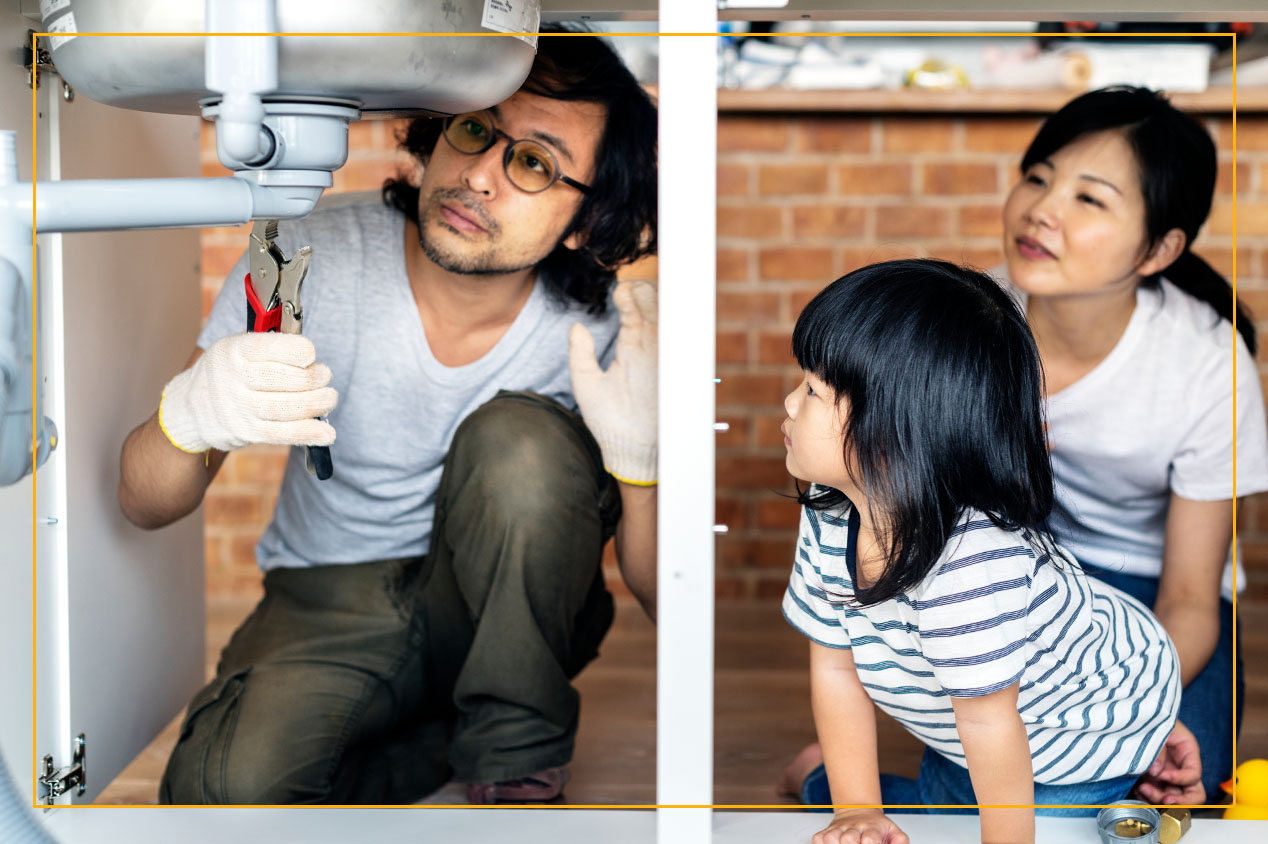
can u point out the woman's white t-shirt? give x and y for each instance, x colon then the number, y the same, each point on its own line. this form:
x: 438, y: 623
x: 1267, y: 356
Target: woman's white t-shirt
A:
x: 1156, y: 416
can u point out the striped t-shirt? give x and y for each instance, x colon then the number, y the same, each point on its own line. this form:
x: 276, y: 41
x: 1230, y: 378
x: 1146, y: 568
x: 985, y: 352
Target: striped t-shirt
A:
x: 1099, y: 682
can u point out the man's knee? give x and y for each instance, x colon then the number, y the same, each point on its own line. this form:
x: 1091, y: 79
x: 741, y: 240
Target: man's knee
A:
x: 239, y: 774
x: 525, y: 500
x: 526, y: 452
x: 254, y: 743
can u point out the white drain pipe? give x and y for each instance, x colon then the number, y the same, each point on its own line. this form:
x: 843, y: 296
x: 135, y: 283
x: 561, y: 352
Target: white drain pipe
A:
x: 241, y: 69
x: 93, y: 205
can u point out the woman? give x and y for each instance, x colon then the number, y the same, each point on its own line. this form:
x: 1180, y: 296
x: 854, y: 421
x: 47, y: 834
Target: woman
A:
x: 1136, y: 337
x: 1141, y: 364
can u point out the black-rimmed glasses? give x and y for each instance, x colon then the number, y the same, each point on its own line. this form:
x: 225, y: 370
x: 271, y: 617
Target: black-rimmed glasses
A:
x: 529, y: 166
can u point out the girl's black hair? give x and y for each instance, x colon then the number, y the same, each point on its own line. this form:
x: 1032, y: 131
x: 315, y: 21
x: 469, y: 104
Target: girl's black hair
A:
x: 942, y: 385
x: 617, y: 218
x: 1176, y: 157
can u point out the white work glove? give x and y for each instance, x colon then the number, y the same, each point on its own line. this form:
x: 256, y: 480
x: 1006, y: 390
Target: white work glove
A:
x: 619, y: 405
x: 250, y: 388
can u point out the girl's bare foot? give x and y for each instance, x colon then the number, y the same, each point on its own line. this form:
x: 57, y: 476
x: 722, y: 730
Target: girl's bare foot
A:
x: 810, y: 757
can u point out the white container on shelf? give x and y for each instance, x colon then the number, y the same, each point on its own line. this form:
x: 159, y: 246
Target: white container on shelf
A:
x: 1172, y: 68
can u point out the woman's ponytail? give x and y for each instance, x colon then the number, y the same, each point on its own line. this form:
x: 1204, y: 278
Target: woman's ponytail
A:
x: 1200, y: 280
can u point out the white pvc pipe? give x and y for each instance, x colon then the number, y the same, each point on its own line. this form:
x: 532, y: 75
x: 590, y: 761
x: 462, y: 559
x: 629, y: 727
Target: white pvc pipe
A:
x: 114, y: 204
x: 242, y: 69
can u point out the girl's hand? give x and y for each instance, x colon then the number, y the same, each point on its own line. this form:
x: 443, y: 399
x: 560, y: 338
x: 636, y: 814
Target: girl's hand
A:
x: 861, y: 826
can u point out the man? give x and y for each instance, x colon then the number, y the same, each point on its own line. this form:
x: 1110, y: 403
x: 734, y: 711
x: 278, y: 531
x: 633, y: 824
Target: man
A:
x: 426, y: 608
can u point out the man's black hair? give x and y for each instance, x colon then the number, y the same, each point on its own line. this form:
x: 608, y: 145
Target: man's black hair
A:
x: 617, y: 218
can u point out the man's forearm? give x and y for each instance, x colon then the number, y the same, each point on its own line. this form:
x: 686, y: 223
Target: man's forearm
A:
x: 159, y: 483
x: 636, y: 543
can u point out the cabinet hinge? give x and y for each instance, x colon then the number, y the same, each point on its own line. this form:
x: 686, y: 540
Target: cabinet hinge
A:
x: 41, y: 58
x: 75, y: 775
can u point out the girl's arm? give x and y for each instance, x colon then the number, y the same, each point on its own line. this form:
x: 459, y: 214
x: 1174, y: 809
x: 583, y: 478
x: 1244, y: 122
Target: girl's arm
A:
x: 1198, y: 534
x: 998, y: 754
x: 845, y: 720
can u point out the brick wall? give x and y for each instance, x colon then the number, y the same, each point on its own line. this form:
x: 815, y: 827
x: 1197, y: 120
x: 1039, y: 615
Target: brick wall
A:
x: 802, y: 199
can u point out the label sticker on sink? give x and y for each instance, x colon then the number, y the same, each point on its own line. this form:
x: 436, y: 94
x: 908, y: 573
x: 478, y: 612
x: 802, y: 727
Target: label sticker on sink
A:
x: 51, y: 7
x: 521, y: 18
x: 62, y: 30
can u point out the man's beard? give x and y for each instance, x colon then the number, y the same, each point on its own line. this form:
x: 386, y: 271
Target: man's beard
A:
x: 481, y: 263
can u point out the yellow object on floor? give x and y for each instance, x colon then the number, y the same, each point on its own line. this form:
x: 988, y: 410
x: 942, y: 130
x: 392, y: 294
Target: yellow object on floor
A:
x: 1251, y: 796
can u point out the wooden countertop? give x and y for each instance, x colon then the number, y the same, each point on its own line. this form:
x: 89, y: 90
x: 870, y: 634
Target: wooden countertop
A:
x: 1212, y: 101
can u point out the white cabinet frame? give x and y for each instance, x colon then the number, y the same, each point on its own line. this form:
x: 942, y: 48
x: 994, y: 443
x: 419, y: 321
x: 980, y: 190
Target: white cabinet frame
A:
x: 687, y: 234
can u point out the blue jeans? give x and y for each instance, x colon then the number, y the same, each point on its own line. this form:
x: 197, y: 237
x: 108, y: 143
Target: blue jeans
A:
x: 1206, y: 706
x: 941, y: 782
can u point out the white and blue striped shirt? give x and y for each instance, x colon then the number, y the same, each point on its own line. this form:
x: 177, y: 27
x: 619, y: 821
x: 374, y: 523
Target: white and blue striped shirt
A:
x: 1099, y: 681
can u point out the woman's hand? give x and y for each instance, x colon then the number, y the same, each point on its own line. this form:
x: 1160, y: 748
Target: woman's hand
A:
x: 1175, y: 777
x: 861, y: 826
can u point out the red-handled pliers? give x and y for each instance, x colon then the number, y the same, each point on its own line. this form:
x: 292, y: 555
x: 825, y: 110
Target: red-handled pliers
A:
x: 273, y: 304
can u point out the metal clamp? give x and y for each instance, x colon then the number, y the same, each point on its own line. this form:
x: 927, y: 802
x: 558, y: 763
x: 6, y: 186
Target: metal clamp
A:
x: 75, y: 775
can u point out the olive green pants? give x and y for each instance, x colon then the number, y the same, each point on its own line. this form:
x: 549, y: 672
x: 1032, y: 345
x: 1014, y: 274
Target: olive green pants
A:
x: 378, y: 682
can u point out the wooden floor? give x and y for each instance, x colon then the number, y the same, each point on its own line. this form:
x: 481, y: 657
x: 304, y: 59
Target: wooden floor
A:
x: 761, y: 703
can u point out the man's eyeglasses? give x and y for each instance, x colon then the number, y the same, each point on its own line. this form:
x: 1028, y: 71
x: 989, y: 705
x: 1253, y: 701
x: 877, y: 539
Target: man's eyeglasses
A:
x: 530, y: 166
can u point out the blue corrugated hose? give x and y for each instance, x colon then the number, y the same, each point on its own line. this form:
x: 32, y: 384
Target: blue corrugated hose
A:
x: 18, y: 823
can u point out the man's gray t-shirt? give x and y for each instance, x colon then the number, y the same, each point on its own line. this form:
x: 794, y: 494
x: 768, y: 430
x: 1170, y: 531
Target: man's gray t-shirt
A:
x: 398, y: 406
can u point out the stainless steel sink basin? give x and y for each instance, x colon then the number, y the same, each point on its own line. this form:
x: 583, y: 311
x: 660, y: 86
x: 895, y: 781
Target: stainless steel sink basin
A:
x: 382, y: 74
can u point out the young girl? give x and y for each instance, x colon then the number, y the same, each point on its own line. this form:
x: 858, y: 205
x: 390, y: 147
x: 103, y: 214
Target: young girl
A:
x: 924, y: 576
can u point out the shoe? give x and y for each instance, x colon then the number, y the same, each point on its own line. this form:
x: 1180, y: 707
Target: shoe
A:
x: 541, y: 787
